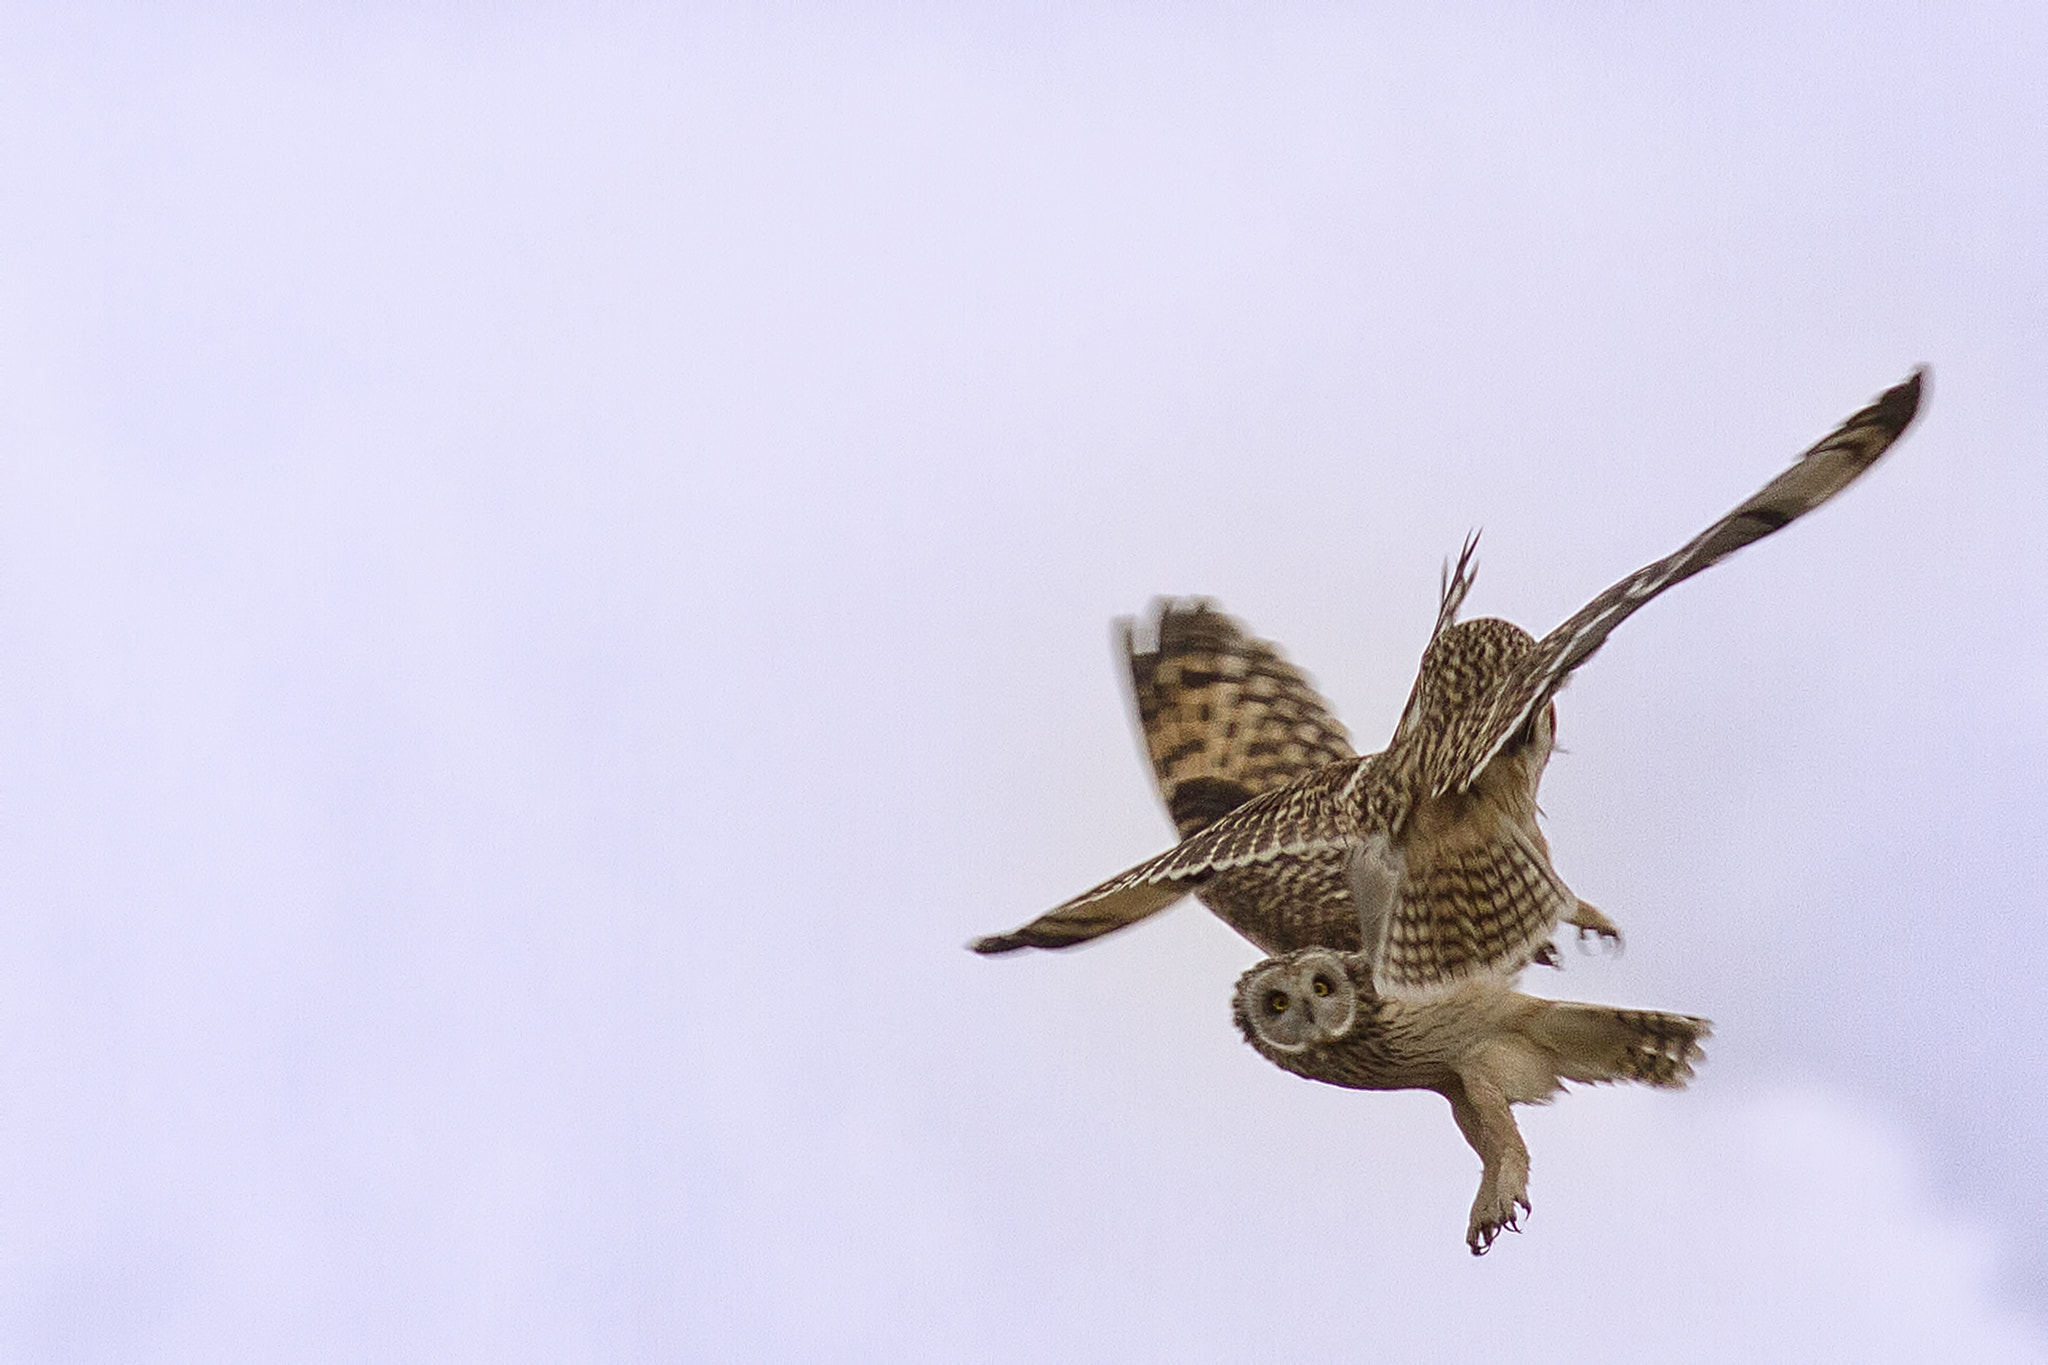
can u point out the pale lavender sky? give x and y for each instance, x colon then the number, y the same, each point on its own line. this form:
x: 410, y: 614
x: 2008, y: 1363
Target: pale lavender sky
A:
x: 555, y: 565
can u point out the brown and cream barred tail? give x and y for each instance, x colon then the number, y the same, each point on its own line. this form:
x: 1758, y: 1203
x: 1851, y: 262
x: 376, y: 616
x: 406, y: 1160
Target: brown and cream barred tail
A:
x: 1595, y: 1043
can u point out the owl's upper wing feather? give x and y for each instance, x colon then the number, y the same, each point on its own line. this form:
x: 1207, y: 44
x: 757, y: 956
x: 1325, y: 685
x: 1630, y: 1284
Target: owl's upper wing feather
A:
x: 1823, y: 471
x: 1303, y: 819
x: 1224, y: 716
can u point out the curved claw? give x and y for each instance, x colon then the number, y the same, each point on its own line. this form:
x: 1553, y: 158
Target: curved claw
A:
x: 1590, y: 923
x: 1611, y: 940
x: 1481, y: 1238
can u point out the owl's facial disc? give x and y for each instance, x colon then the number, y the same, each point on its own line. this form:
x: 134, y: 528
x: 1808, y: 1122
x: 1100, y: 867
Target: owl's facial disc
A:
x: 1331, y: 999
x: 1296, y: 1002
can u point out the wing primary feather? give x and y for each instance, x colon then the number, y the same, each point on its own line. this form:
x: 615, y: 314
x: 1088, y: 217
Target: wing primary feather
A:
x: 1078, y: 923
x: 1452, y: 585
x: 1825, y: 469
x: 1302, y: 820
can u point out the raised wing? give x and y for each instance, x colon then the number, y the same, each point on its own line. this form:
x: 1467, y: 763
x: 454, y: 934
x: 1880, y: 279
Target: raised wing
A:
x: 1306, y: 819
x: 1224, y: 716
x: 1455, y: 583
x: 1823, y: 471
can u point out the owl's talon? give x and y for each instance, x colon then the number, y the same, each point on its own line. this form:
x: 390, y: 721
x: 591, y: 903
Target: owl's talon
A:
x: 1590, y: 923
x: 1609, y: 940
x: 1505, y: 1216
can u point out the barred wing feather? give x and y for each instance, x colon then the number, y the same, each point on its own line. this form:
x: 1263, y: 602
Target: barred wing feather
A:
x: 1304, y: 819
x: 1823, y: 471
x: 1225, y: 717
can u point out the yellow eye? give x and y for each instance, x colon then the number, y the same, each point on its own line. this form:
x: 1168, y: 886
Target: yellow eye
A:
x: 1277, y: 1002
x: 1321, y: 986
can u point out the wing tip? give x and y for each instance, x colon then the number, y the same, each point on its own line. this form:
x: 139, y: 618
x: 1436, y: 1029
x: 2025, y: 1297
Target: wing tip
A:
x: 1143, y: 635
x: 1896, y: 407
x: 1454, y: 583
x: 1124, y: 629
x: 991, y: 945
x: 1030, y: 936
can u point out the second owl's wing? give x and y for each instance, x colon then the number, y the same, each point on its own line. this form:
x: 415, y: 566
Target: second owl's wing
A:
x: 1823, y: 471
x: 1224, y: 716
x: 1303, y: 819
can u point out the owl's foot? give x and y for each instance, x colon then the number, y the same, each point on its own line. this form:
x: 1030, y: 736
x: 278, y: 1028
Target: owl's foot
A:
x: 1481, y: 1109
x: 1588, y: 920
x: 1494, y: 1214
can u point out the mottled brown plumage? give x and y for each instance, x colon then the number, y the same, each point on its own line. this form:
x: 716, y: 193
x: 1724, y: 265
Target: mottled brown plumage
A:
x: 1443, y: 862
x: 1225, y: 719
x: 1402, y: 892
x: 1224, y: 716
x: 1484, y: 1047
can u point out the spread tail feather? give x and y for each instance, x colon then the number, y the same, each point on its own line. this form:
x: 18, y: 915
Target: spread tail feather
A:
x: 1596, y: 1043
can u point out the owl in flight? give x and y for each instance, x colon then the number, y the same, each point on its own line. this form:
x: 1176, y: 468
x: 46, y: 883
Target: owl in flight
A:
x: 1400, y: 894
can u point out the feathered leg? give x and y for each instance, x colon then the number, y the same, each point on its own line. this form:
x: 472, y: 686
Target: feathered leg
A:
x: 1481, y: 1109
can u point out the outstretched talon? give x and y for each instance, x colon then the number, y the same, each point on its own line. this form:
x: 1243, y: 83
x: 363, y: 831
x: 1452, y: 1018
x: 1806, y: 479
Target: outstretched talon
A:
x: 1588, y: 920
x: 1546, y: 956
x: 1504, y: 1216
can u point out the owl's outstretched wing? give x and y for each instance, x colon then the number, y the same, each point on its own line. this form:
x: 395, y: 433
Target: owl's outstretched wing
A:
x: 1224, y: 716
x: 1306, y: 819
x: 1823, y: 471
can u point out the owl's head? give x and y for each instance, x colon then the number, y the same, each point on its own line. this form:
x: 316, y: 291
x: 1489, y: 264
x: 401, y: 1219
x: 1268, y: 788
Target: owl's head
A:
x: 1291, y: 1003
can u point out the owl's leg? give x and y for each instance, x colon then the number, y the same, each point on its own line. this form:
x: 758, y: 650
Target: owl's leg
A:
x: 1588, y: 920
x: 1489, y: 1125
